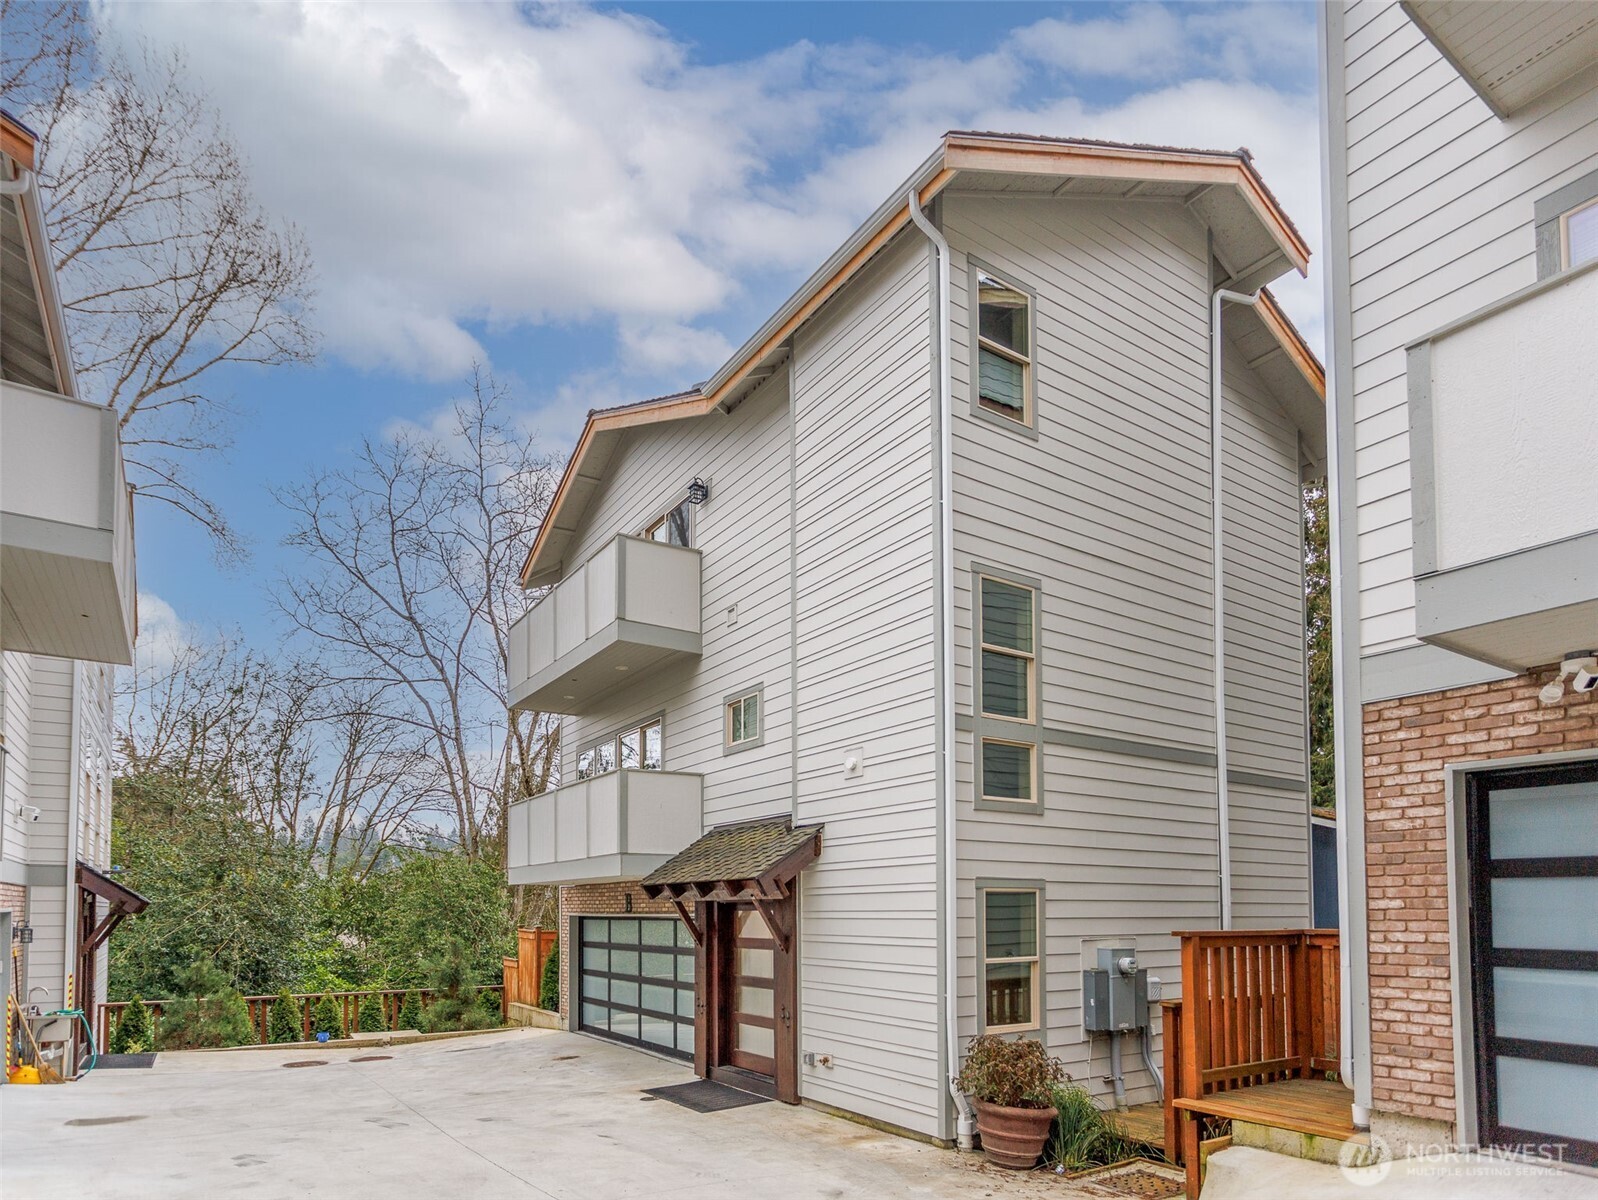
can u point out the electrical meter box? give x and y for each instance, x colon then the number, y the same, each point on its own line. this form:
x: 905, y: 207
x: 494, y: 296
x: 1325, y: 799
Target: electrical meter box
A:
x: 1115, y: 994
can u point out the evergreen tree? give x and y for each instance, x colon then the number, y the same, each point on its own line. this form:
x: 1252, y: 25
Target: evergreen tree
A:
x: 1318, y: 647
x: 370, y: 1017
x: 284, y: 1024
x: 210, y: 1013
x: 133, y: 1034
x: 326, y: 1018
x: 549, y: 983
x: 410, y: 1016
x: 489, y: 1001
x: 454, y: 1006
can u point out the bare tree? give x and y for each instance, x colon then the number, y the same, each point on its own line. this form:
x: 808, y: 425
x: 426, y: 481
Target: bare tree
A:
x: 408, y: 587
x: 168, y: 267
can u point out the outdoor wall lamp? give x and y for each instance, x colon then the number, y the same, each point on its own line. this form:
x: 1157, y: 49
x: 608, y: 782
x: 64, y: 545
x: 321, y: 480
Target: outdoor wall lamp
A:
x: 698, y: 491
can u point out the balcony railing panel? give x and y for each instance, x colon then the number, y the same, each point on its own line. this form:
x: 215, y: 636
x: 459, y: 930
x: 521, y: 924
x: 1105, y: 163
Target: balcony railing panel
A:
x: 614, y: 826
x: 633, y: 606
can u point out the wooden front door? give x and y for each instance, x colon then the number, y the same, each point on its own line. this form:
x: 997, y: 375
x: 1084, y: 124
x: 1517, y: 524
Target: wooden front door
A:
x: 752, y: 1032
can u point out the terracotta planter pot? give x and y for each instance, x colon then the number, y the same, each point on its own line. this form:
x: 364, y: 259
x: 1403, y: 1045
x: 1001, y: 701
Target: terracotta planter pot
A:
x: 1013, y: 1137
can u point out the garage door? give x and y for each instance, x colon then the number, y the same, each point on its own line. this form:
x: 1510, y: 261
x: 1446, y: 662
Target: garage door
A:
x: 637, y: 982
x: 1534, y: 949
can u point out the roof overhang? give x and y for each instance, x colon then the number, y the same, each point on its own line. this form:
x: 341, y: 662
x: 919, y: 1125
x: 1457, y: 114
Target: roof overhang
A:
x: 30, y: 306
x: 1254, y: 241
x: 1271, y: 346
x: 753, y: 860
x: 1511, y: 51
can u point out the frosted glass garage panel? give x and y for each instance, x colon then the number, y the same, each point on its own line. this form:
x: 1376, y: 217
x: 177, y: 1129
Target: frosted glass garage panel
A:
x: 1544, y: 822
x: 1545, y: 914
x: 1540, y: 1005
x: 1558, y: 1099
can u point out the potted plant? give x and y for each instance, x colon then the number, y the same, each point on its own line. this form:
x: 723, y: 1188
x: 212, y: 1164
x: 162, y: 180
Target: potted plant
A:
x: 1011, y: 1086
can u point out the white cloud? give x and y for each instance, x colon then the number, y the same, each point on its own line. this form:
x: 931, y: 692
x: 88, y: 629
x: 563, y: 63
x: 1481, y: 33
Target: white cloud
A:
x: 163, y: 635
x: 460, y: 167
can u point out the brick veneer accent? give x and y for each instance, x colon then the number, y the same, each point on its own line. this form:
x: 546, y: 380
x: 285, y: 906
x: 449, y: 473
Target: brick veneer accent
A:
x: 1408, y: 741
x: 597, y: 900
x: 15, y: 897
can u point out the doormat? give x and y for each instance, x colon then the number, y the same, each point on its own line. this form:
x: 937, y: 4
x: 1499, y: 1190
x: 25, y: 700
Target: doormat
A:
x: 124, y: 1061
x: 705, y: 1096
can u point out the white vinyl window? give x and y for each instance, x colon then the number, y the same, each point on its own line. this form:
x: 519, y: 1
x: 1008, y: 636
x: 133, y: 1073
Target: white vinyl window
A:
x: 1007, y: 690
x: 1011, y: 938
x: 1578, y: 234
x: 742, y: 724
x: 636, y: 748
x: 1004, y: 348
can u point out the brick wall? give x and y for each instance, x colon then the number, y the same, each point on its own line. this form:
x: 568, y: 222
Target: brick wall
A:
x: 15, y: 897
x: 1407, y: 743
x: 598, y: 900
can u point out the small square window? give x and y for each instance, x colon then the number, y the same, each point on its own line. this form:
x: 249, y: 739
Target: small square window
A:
x: 743, y: 719
x: 1004, y: 349
x: 1007, y: 770
x: 1579, y: 234
x: 1010, y: 958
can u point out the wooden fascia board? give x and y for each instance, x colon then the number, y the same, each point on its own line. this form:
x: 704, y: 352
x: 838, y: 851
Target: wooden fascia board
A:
x: 1292, y: 345
x: 17, y: 143
x: 700, y: 405
x: 1116, y: 162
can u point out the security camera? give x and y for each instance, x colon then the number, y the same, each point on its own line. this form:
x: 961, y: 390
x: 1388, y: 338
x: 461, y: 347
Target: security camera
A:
x: 30, y: 811
x: 1579, y: 669
x: 1584, y: 680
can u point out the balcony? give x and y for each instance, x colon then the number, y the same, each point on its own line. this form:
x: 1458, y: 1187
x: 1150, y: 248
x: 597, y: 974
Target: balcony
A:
x: 632, y: 607
x: 621, y: 825
x: 66, y: 529
x: 1504, y: 445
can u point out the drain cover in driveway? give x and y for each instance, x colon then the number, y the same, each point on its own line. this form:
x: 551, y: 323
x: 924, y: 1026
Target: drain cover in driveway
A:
x: 307, y: 1062
x: 115, y: 1061
x: 705, y: 1095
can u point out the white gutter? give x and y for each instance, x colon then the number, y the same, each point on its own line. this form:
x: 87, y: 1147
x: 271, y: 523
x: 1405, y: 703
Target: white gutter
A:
x: 966, y: 1124
x: 1223, y: 803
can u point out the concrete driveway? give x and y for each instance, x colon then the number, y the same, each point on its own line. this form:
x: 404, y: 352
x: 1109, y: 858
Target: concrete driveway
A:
x: 524, y: 1113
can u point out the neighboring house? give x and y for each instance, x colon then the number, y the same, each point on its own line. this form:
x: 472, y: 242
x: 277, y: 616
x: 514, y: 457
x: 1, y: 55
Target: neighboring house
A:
x: 888, y: 653
x: 1462, y: 203
x: 66, y: 615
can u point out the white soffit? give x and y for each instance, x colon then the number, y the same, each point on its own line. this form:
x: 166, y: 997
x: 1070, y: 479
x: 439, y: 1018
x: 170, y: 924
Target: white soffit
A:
x: 1511, y: 51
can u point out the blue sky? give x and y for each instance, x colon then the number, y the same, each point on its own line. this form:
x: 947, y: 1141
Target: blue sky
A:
x: 600, y: 202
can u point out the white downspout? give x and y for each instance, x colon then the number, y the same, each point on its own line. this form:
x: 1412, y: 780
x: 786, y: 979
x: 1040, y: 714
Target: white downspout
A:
x: 1223, y: 805
x: 966, y: 1124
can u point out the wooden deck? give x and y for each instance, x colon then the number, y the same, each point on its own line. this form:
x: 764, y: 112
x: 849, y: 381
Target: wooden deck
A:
x: 1314, y: 1106
x: 1142, y: 1123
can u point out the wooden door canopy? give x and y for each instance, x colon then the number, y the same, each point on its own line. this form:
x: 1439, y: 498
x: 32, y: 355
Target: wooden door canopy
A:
x: 122, y: 902
x: 755, y: 860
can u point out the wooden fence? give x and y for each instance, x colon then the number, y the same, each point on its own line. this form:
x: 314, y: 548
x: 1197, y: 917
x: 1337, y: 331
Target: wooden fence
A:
x: 524, y: 974
x: 1256, y: 1007
x: 349, y: 1004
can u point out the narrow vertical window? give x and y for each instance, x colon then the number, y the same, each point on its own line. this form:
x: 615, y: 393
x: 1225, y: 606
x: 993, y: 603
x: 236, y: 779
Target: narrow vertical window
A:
x: 1007, y: 691
x: 1010, y: 959
x: 1004, y: 348
x: 673, y: 528
x: 1579, y: 234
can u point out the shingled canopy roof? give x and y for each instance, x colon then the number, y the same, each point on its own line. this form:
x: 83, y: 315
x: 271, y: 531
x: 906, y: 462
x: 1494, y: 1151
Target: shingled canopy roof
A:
x: 750, y: 861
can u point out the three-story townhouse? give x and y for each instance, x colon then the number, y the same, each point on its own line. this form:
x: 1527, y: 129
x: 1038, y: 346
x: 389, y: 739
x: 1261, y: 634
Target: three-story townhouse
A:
x: 888, y: 655
x: 1461, y: 149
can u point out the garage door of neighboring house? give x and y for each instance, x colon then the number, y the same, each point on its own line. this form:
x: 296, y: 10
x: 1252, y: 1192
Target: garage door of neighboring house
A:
x: 1534, y: 956
x: 637, y: 982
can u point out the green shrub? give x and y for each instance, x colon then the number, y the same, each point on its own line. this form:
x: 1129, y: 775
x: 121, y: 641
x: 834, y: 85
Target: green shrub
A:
x: 489, y: 1001
x: 410, y: 1014
x: 283, y: 1023
x: 454, y: 1003
x: 133, y: 1034
x: 549, y: 982
x: 1018, y: 1074
x: 327, y: 1018
x: 210, y: 1012
x: 1083, y: 1136
x: 370, y: 1017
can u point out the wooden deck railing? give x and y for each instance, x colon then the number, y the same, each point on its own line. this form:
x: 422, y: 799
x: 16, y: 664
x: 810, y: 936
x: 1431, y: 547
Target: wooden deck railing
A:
x: 1256, y: 1007
x: 524, y: 974
x: 261, y: 1008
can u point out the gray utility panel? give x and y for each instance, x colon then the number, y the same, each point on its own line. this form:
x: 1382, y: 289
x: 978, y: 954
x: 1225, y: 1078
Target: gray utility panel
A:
x: 1115, y: 994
